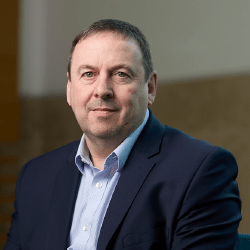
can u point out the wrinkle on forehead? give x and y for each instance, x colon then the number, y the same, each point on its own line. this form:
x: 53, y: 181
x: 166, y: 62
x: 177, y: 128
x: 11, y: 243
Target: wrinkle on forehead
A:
x: 113, y: 36
x: 134, y: 45
x: 88, y: 50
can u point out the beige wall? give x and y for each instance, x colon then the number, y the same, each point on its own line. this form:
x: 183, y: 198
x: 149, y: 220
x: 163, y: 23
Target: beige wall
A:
x: 188, y: 38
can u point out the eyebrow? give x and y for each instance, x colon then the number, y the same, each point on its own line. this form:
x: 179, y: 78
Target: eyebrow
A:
x: 114, y: 68
x: 84, y: 66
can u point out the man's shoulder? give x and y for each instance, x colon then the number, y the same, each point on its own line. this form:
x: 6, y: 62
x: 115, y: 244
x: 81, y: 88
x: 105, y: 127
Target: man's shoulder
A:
x: 64, y: 152
x: 180, y: 137
x: 53, y: 160
x: 173, y: 140
x: 184, y: 145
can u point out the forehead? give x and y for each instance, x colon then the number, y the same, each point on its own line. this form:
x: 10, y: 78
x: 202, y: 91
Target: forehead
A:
x: 107, y: 45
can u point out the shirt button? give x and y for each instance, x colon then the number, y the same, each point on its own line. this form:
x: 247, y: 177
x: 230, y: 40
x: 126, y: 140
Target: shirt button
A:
x: 98, y: 185
x: 86, y: 228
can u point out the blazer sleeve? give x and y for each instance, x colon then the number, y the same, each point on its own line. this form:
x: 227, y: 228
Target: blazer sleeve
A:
x: 13, y: 237
x: 210, y: 213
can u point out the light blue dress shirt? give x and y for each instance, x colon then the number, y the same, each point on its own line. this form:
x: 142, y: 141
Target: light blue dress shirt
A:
x: 95, y: 191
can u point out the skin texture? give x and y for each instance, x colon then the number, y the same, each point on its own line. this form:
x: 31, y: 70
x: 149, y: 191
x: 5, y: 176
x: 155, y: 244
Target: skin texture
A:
x: 107, y: 91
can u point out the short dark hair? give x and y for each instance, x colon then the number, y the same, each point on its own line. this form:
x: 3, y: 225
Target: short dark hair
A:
x: 121, y: 27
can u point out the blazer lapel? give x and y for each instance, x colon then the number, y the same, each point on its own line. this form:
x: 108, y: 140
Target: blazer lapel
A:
x: 139, y: 164
x: 62, y: 206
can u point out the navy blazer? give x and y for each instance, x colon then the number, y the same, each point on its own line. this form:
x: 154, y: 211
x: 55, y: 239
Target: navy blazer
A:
x: 175, y: 192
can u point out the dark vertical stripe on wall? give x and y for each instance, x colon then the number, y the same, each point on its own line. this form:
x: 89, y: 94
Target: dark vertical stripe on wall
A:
x: 9, y: 111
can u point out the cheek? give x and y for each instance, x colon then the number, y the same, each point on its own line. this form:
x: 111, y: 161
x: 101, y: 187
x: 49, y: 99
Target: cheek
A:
x: 128, y: 97
x: 79, y: 97
x: 134, y: 100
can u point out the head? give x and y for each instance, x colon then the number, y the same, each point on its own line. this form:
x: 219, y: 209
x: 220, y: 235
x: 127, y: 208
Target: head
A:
x: 123, y: 28
x: 108, y: 87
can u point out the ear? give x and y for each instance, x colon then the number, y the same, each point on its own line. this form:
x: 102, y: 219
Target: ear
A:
x: 152, y: 86
x: 68, y: 90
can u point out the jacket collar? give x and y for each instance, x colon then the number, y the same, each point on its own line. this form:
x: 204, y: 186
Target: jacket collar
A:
x: 140, y: 162
x: 62, y: 204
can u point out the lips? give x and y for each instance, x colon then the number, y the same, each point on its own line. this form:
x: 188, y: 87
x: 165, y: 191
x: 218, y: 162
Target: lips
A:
x: 103, y: 109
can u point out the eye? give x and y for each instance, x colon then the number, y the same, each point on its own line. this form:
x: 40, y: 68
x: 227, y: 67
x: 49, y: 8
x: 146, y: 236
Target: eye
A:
x: 121, y: 74
x: 88, y: 74
x: 122, y: 77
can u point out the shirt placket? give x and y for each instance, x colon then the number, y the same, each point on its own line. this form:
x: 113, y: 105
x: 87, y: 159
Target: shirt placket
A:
x: 95, y: 204
x: 95, y: 194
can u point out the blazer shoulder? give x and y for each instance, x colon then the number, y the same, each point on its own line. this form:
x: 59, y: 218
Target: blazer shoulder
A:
x: 180, y: 138
x: 172, y: 142
x: 53, y: 160
x: 64, y: 152
x: 187, y: 146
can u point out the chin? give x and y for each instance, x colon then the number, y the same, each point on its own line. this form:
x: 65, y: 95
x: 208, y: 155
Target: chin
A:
x: 104, y: 134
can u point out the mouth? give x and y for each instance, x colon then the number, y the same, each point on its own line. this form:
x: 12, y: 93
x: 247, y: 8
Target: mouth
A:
x: 103, y: 111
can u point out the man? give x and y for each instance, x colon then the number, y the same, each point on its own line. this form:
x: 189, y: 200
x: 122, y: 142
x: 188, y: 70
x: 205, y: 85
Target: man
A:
x: 130, y: 183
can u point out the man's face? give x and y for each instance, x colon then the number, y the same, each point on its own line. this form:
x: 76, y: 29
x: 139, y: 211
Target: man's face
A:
x: 107, y: 91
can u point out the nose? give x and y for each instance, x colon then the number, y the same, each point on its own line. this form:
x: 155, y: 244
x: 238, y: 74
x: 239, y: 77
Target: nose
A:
x: 103, y: 89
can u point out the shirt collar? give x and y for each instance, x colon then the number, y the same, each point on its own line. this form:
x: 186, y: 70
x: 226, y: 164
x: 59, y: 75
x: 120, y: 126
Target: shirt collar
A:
x: 121, y: 152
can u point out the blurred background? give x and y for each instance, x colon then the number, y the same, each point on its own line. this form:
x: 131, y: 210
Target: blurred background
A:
x: 200, y: 49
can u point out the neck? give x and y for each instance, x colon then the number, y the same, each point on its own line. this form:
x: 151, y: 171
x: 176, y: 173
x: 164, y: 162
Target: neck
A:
x: 100, y: 149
